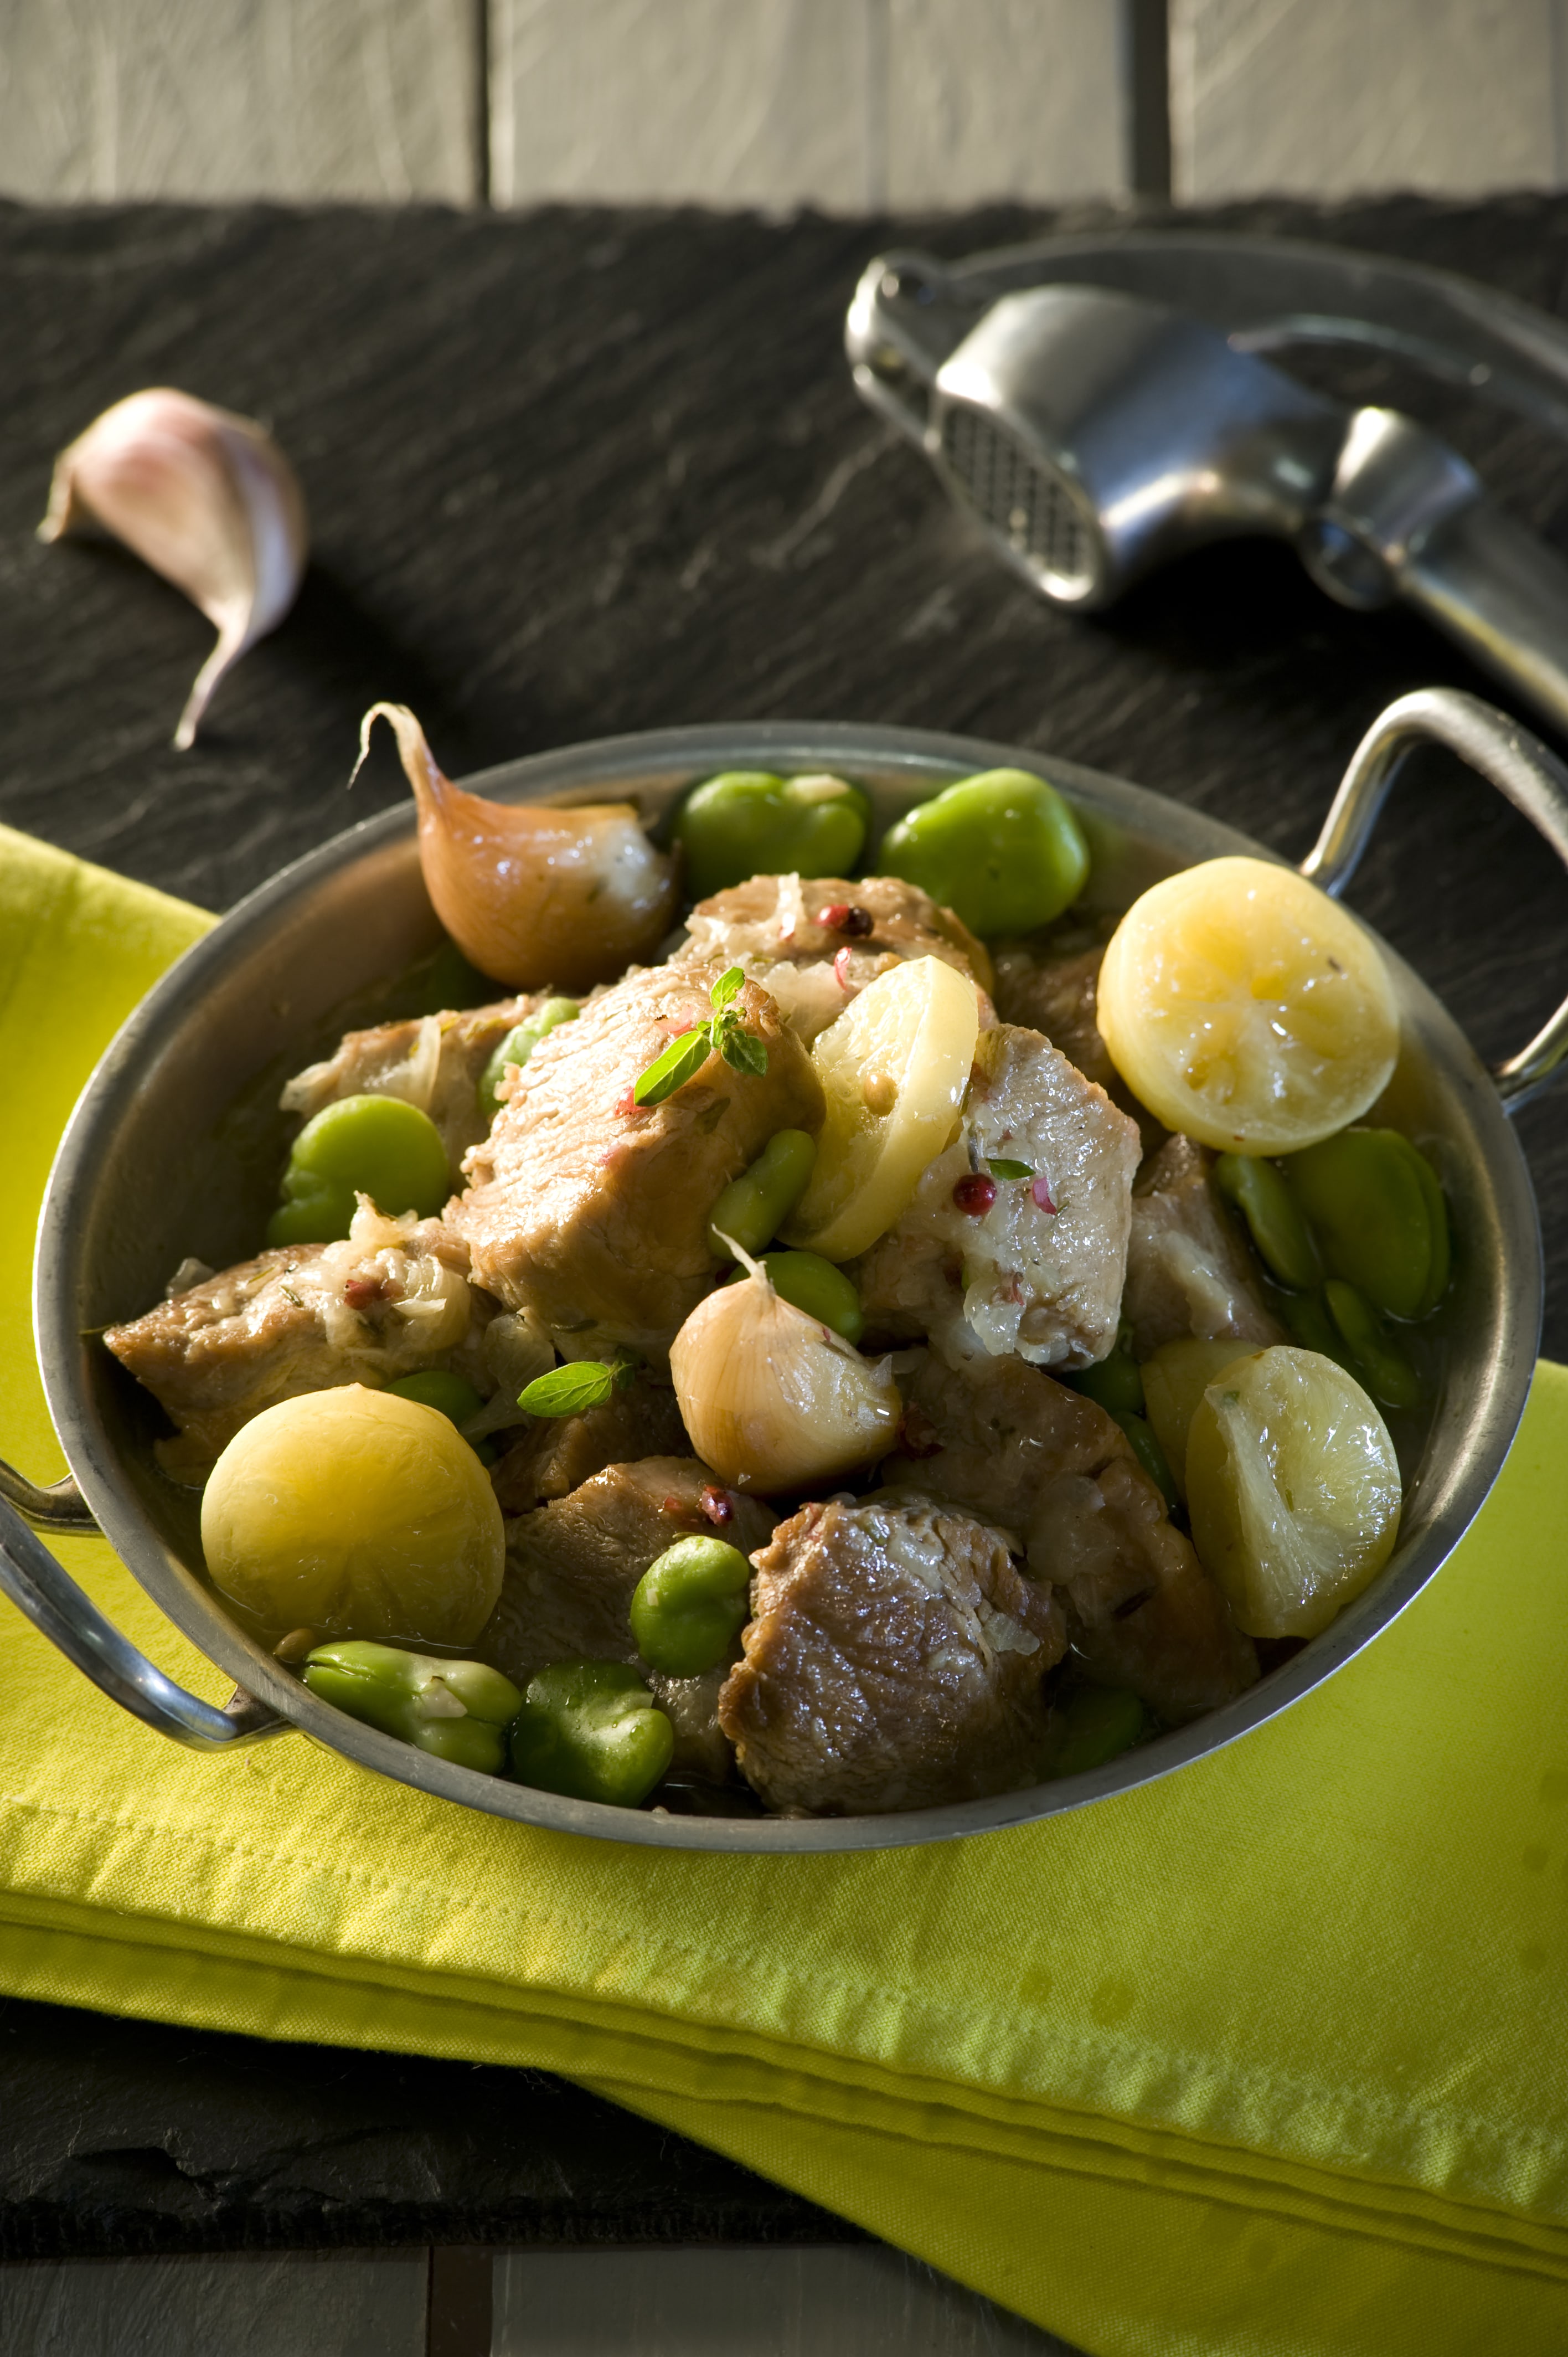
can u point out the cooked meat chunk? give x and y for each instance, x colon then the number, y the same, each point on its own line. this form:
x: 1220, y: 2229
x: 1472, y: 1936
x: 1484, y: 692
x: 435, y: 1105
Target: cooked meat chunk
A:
x: 1189, y: 1270
x: 989, y: 1434
x: 554, y: 1455
x: 593, y: 1211
x: 1040, y: 1272
x: 893, y: 1660
x: 1003, y: 1439
x: 772, y: 925
x: 393, y: 1296
x: 571, y: 1569
x: 1141, y: 1610
x: 1058, y: 995
x: 437, y: 1062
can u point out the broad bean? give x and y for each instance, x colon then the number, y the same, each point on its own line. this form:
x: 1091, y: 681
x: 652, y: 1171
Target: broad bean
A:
x: 1378, y: 1210
x: 381, y: 1146
x: 1274, y: 1221
x: 1114, y: 1383
x: 1307, y: 1320
x: 749, y: 823
x: 754, y: 1206
x: 689, y: 1606
x: 590, y: 1729
x: 450, y: 1396
x: 454, y: 1710
x: 518, y: 1045
x: 1381, y: 1366
x: 815, y: 1286
x: 1101, y: 1723
x: 1004, y: 850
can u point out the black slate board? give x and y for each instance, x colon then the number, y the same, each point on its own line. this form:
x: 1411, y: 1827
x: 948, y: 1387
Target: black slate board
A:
x: 570, y: 474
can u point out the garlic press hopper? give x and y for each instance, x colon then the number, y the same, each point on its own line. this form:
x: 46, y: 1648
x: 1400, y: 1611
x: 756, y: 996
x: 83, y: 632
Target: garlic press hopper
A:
x: 1101, y: 407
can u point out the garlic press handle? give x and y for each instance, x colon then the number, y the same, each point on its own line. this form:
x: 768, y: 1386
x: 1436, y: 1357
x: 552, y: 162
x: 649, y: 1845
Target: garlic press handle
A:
x: 1406, y: 517
x: 1508, y: 757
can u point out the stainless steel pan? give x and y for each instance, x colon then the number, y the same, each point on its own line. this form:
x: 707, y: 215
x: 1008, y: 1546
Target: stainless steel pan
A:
x: 174, y: 1149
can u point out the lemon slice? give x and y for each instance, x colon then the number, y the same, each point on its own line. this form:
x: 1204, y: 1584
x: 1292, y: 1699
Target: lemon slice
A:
x: 1293, y: 1490
x: 894, y: 1069
x: 1244, y: 1007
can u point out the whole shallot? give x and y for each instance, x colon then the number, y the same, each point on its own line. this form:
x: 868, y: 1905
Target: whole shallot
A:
x: 207, y: 499
x: 532, y: 894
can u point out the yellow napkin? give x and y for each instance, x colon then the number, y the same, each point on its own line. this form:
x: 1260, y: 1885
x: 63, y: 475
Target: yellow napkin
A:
x: 1269, y: 2058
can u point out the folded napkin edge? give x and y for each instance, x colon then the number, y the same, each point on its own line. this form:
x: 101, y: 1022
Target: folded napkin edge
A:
x: 176, y: 1980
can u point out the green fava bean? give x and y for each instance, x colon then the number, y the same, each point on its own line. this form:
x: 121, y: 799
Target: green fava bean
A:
x: 1308, y: 1323
x: 311, y: 1214
x: 817, y: 1287
x: 1114, y: 1383
x: 689, y: 1606
x: 518, y: 1045
x: 1378, y: 1212
x: 1384, y: 1369
x: 749, y: 823
x: 589, y: 1729
x: 754, y: 1206
x: 1274, y: 1224
x: 451, y: 1396
x: 1004, y: 850
x: 1102, y: 1723
x: 381, y: 1146
x: 454, y: 1710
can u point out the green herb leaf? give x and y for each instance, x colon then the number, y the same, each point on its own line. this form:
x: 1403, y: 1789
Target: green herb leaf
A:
x: 727, y: 986
x: 1001, y: 1169
x: 675, y: 1068
x: 741, y: 1049
x: 572, y: 1389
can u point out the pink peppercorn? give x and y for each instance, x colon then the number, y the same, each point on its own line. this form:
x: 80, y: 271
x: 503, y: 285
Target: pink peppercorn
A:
x: 844, y: 917
x: 975, y: 1193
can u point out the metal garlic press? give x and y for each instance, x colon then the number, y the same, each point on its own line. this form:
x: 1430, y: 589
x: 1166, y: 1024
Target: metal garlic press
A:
x: 1099, y: 406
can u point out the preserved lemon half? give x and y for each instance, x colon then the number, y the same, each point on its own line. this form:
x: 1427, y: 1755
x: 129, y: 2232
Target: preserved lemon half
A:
x: 1244, y: 1007
x: 355, y: 1513
x: 893, y: 1068
x: 1293, y: 1490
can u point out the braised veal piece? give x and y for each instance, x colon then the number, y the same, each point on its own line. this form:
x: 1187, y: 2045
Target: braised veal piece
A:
x: 392, y: 1297
x: 592, y: 1210
x: 1189, y: 1271
x: 571, y: 1567
x: 1003, y: 1439
x: 1033, y: 1264
x: 893, y: 1661
x: 552, y: 1456
x: 815, y: 941
x: 435, y: 1061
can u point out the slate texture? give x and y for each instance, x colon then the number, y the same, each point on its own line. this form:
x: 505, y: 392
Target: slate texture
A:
x: 570, y: 474
x: 128, y: 2137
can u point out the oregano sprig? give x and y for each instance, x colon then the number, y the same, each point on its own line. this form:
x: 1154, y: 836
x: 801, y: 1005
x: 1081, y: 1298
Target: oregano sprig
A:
x: 580, y: 1385
x: 684, y: 1057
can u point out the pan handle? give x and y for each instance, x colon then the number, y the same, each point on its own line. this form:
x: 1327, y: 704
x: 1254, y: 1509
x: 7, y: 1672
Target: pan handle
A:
x: 1508, y: 757
x: 42, y: 1590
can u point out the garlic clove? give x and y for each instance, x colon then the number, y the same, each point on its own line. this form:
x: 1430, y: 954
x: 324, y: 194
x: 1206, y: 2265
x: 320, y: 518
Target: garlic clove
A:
x: 532, y: 895
x: 204, y: 497
x: 773, y: 1400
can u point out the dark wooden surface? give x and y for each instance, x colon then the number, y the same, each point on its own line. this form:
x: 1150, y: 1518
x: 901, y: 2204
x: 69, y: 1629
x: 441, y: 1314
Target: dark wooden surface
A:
x: 573, y: 474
